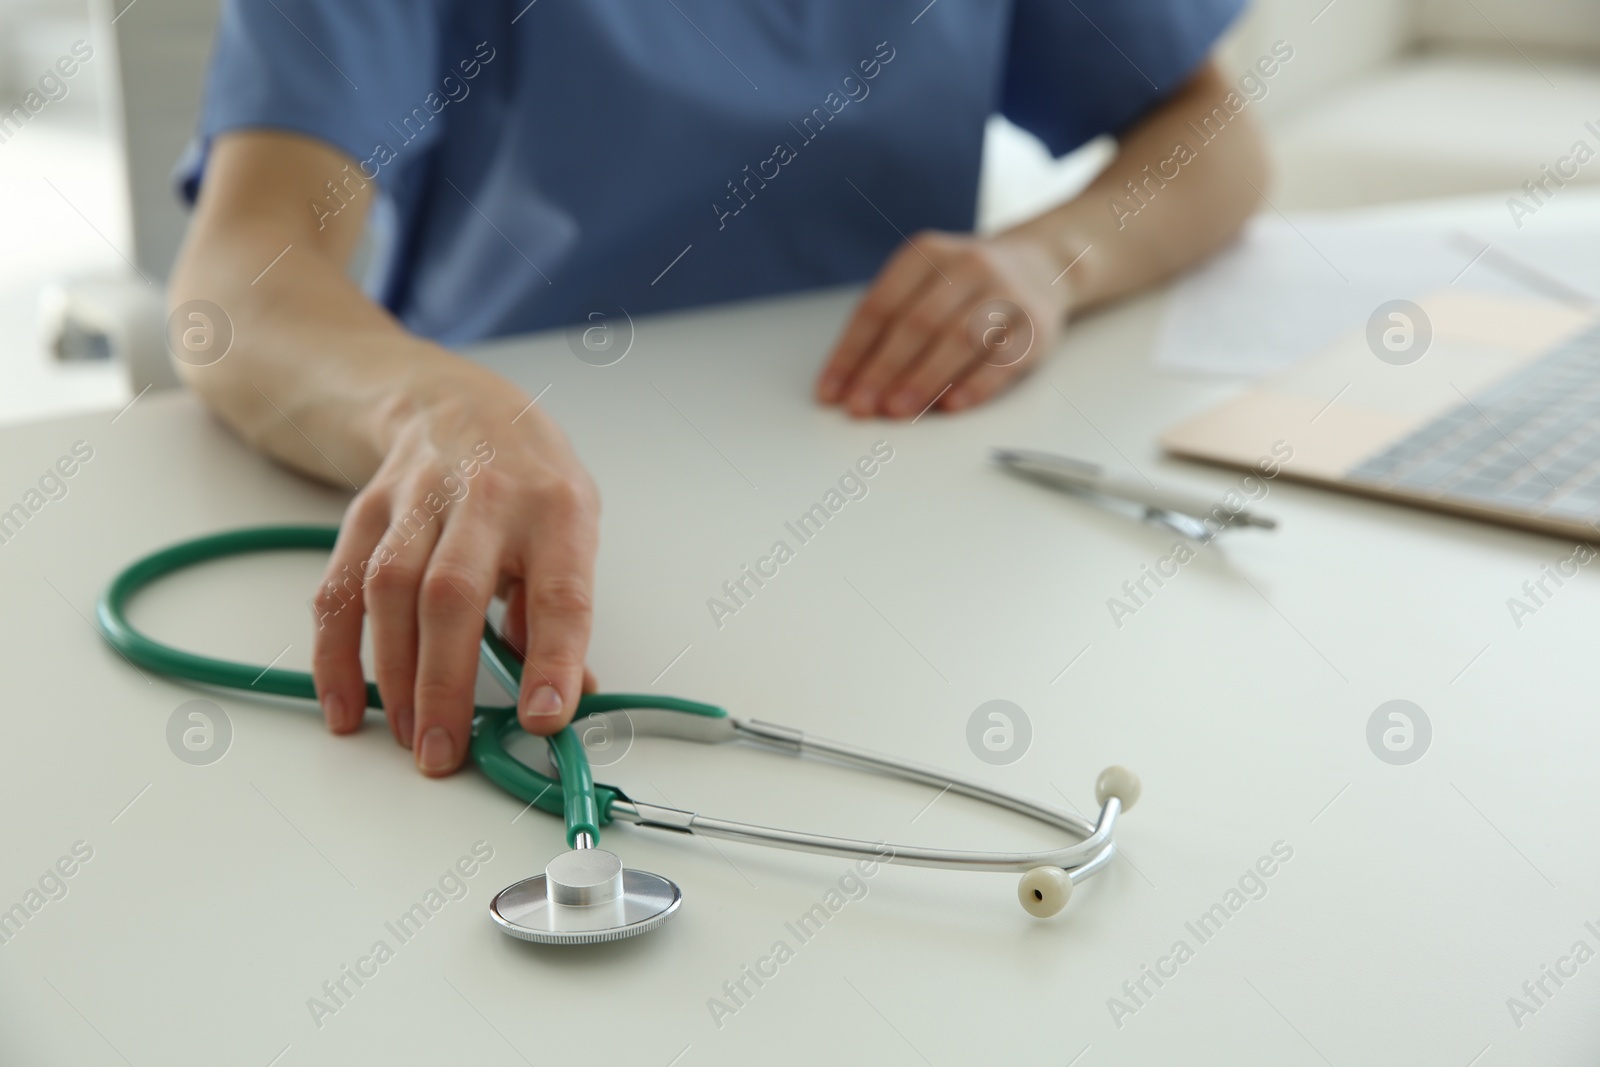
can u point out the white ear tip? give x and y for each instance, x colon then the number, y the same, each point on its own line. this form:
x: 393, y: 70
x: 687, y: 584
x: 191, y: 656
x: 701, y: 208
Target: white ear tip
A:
x: 1044, y: 891
x: 1117, y: 782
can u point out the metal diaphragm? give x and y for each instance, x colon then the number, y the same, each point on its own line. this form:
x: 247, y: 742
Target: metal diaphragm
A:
x: 585, y: 897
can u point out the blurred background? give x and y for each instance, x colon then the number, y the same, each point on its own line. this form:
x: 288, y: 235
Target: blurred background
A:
x: 1383, y: 101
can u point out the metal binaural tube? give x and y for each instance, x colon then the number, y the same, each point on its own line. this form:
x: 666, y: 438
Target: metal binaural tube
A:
x: 1080, y: 859
x: 809, y: 744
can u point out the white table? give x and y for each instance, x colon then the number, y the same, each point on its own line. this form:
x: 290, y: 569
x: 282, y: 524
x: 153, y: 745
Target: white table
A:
x: 1418, y: 898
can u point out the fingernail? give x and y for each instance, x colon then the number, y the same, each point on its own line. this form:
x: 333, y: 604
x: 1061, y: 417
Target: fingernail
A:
x: 438, y: 750
x: 958, y: 399
x: 333, y: 709
x: 545, y: 701
x: 828, y: 388
x: 405, y: 724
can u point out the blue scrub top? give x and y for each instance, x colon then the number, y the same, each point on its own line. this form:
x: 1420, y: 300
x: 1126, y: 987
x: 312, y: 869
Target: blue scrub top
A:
x: 538, y: 161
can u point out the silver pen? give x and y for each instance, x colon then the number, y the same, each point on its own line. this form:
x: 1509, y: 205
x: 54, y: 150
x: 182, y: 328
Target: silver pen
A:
x: 1063, y: 472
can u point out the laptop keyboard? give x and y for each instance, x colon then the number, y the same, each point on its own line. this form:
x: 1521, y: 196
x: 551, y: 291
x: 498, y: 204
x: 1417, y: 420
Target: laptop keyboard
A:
x: 1530, y: 442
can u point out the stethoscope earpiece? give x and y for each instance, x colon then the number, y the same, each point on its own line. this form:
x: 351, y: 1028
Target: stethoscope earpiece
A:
x: 1044, y: 891
x: 1118, y: 782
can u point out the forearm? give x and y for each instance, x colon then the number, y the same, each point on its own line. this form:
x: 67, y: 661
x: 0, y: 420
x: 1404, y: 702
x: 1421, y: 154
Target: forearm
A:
x: 1184, y: 202
x: 308, y: 377
x: 317, y: 376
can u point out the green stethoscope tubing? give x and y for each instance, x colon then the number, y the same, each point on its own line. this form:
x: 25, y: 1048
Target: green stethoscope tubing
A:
x: 583, y: 803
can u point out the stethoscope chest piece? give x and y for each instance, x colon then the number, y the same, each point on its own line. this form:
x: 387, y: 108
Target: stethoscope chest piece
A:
x: 583, y: 897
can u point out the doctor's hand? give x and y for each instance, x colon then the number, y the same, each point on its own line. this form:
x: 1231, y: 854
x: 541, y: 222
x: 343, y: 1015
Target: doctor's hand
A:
x: 478, y: 492
x: 950, y: 317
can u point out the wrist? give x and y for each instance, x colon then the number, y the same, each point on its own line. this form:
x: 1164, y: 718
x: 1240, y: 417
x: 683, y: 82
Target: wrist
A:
x: 399, y: 403
x: 1065, y: 251
x: 423, y: 382
x: 447, y: 392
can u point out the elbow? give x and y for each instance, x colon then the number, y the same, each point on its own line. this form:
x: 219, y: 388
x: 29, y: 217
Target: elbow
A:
x: 210, y: 303
x: 199, y: 336
x: 1254, y: 165
x: 204, y: 307
x: 199, y: 331
x: 1231, y: 142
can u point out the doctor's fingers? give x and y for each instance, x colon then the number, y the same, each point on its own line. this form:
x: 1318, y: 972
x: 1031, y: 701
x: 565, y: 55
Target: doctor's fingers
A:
x: 393, y: 576
x: 559, y: 603
x: 338, y: 607
x: 514, y: 625
x: 453, y: 597
x: 970, y: 357
x: 935, y: 312
x: 906, y: 273
x: 937, y: 369
x: 986, y: 376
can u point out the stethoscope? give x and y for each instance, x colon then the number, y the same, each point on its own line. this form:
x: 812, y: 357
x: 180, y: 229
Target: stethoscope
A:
x: 585, y: 895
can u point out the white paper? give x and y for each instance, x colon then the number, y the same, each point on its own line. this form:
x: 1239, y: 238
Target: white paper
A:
x: 1292, y: 285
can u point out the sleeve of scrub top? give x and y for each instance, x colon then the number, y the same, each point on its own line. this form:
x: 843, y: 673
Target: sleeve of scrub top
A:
x: 337, y: 70
x: 1077, y: 70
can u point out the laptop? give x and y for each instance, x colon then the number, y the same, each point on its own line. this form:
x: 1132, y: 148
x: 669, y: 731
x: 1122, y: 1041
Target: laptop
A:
x: 1485, y: 405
